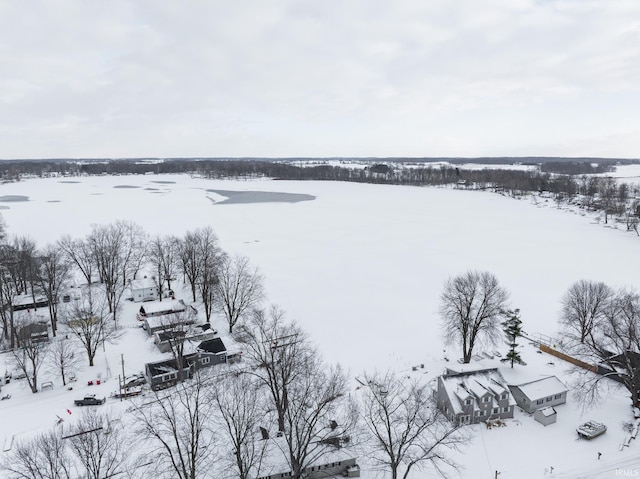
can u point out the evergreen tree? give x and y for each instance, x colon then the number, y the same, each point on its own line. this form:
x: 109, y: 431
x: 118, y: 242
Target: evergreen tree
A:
x: 512, y: 328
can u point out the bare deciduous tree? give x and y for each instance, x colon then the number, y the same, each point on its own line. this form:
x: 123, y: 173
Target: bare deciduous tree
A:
x: 30, y: 354
x: 99, y: 444
x: 178, y: 428
x: 405, y: 428
x: 199, y: 262
x: 319, y: 417
x: 278, y: 348
x: 583, y: 305
x: 163, y: 256
x: 189, y: 263
x: 89, y: 321
x: 239, y: 288
x: 210, y: 256
x: 78, y: 251
x: 313, y: 413
x: 26, y: 265
x: 53, y: 274
x: 614, y: 345
x: 8, y: 291
x: 471, y: 306
x: 63, y: 358
x: 241, y: 406
x: 43, y: 457
x: 118, y: 251
x: 3, y: 229
x: 175, y: 329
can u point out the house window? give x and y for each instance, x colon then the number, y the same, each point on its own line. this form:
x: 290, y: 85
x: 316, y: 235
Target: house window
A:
x: 486, y: 399
x: 205, y: 360
x: 504, y: 396
x: 482, y: 413
x: 557, y: 396
x: 505, y: 409
x: 548, y: 399
x: 468, y: 402
x: 540, y: 401
x: 496, y: 410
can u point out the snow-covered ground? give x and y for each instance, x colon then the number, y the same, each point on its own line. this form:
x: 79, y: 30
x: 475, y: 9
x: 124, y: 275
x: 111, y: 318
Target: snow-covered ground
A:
x: 361, y: 268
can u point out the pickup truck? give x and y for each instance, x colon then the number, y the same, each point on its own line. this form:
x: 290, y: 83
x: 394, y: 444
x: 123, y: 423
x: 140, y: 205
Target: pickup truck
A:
x: 89, y: 400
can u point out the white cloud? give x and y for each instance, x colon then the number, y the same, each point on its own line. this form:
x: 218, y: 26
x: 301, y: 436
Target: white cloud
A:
x: 280, y: 78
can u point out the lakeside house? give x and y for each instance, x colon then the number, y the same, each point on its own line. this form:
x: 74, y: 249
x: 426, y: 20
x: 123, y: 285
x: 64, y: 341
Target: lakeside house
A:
x: 473, y: 396
x: 167, y: 372
x: 144, y: 289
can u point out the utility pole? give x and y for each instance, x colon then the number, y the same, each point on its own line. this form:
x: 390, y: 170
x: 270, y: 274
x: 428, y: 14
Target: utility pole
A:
x: 121, y: 384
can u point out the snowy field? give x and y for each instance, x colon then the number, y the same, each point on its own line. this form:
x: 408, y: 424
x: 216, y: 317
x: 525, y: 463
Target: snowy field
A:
x: 361, y: 268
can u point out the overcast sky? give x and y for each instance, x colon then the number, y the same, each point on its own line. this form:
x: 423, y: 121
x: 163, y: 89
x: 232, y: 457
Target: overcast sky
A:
x: 220, y: 78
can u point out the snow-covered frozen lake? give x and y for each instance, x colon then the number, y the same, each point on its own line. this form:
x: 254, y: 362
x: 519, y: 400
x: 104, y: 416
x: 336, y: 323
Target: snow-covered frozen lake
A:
x: 361, y: 266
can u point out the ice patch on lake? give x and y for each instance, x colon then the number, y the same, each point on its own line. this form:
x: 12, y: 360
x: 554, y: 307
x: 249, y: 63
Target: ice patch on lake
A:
x: 13, y: 198
x: 245, y: 197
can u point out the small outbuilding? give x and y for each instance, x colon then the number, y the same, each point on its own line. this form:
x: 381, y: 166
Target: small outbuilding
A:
x: 546, y: 415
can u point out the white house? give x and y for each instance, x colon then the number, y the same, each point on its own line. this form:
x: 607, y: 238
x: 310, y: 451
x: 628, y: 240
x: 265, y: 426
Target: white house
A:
x: 144, y: 289
x: 162, y: 315
x: 538, y: 394
x: 332, y: 463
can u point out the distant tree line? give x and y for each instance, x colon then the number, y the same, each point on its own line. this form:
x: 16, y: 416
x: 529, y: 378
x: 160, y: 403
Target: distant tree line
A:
x: 567, y: 180
x: 392, y: 170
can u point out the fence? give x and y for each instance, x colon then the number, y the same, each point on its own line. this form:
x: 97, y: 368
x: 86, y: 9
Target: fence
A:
x: 566, y: 357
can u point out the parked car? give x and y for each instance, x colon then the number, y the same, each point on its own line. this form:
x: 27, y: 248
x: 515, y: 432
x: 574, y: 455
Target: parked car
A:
x: 90, y: 400
x: 134, y: 380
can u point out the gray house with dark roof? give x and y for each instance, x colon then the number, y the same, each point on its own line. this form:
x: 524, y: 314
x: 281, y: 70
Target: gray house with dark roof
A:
x: 166, y: 373
x: 471, y: 397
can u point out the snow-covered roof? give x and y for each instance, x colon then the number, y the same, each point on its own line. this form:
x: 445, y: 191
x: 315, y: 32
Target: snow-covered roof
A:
x: 167, y: 321
x: 460, y: 386
x: 477, y: 387
x: 275, y: 461
x: 547, y: 411
x: 542, y: 388
x: 164, y: 307
x: 474, y: 367
x: 143, y: 283
x: 27, y: 299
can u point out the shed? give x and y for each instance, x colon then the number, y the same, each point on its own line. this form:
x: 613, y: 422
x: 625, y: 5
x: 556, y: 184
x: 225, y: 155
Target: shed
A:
x: 546, y: 415
x: 144, y: 289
